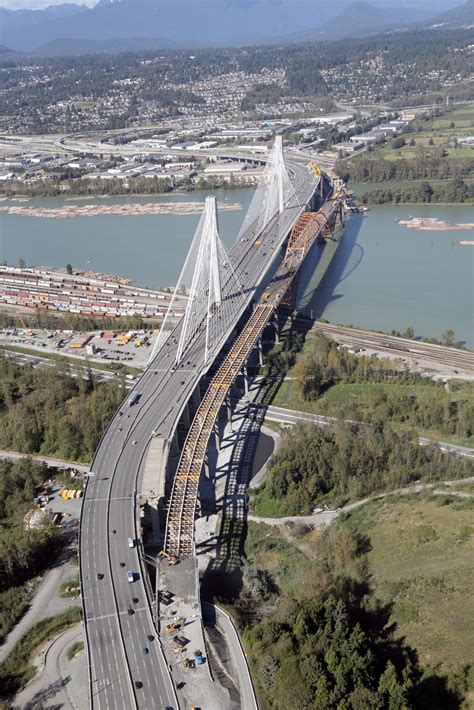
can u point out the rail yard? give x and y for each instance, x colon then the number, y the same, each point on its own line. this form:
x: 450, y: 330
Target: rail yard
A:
x: 54, y: 290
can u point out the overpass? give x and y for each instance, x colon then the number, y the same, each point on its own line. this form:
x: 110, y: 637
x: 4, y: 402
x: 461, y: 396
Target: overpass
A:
x: 127, y: 667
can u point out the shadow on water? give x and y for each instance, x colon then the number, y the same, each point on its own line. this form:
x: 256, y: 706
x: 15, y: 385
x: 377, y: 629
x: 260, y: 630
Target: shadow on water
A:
x: 317, y: 291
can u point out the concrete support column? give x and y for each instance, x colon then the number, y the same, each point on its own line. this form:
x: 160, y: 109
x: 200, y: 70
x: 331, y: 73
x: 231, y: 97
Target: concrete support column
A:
x: 245, y: 374
x: 217, y: 442
x: 260, y: 352
x: 174, y: 447
x: 186, y: 417
x: 228, y: 409
x: 277, y: 333
x: 196, y: 397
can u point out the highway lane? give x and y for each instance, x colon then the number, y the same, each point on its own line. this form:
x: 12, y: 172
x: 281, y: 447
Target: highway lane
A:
x: 115, y: 638
x: 294, y: 416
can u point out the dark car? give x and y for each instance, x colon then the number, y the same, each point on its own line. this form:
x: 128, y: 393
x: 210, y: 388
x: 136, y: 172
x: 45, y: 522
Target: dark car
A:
x: 150, y: 637
x: 145, y: 651
x: 122, y: 564
x: 135, y: 600
x: 100, y: 575
x: 138, y: 684
x: 131, y: 612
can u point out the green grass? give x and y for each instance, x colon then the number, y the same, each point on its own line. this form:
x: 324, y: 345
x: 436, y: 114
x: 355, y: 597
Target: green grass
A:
x: 440, y: 132
x: 267, y: 549
x: 422, y: 563
x: 70, y: 588
x: 16, y: 671
x: 360, y: 393
x: 74, y: 649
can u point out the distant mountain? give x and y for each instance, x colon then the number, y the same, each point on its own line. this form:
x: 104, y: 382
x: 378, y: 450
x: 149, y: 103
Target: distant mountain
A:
x: 61, y: 47
x: 198, y: 23
x: 460, y: 16
x: 14, y: 19
x: 207, y: 22
x: 360, y: 19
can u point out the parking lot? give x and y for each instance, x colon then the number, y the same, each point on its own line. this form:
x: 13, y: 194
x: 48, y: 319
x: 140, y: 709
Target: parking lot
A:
x: 131, y: 348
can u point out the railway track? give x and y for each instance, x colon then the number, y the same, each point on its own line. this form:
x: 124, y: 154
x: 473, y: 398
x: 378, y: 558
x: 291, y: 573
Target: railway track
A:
x: 461, y: 360
x: 180, y: 524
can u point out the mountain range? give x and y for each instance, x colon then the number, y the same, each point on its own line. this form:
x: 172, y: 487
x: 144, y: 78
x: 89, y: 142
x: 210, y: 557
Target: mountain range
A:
x: 126, y: 25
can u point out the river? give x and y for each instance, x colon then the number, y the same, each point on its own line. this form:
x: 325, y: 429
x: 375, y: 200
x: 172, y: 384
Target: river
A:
x: 382, y: 275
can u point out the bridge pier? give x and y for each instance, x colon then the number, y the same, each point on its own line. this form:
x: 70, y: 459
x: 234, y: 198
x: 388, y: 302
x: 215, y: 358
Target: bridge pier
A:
x: 228, y: 409
x: 245, y: 375
x: 186, y: 416
x: 260, y: 352
x: 174, y: 445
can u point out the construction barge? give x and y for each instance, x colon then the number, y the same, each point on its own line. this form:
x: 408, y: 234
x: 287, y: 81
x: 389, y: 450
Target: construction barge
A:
x: 83, y: 295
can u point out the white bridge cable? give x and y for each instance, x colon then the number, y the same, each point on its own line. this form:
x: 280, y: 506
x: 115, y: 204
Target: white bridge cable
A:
x: 207, y: 278
x: 274, y: 194
x: 211, y: 286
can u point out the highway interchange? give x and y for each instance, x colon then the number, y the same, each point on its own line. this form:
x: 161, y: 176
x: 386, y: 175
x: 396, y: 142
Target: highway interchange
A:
x: 126, y: 664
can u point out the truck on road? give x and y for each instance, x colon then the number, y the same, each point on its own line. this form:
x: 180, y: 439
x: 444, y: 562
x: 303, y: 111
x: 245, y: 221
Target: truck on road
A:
x: 134, y: 399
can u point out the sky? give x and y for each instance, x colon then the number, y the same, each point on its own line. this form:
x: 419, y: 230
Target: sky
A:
x: 40, y: 4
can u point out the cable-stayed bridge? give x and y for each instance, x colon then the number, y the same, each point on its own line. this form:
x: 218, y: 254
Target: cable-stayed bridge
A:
x: 141, y: 451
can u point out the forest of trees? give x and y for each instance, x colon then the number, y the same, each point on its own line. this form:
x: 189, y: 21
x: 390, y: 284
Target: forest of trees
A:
x: 366, y: 169
x: 47, y: 411
x: 349, y: 462
x: 396, y: 395
x: 317, y: 636
x: 23, y: 553
x: 452, y: 191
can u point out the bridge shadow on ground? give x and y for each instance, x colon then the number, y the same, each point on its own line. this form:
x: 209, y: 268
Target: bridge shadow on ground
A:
x: 223, y: 576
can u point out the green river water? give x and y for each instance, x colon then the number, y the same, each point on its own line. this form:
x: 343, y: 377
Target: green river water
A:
x: 381, y: 276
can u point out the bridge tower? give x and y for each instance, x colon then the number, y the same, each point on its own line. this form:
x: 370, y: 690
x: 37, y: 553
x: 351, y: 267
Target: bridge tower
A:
x: 274, y: 194
x: 207, y: 290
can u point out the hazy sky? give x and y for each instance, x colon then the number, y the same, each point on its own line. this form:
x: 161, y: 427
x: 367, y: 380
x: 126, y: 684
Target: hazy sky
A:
x: 40, y: 4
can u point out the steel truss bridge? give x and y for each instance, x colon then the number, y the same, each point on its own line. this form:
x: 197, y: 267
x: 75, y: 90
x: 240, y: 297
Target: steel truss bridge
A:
x: 221, y: 287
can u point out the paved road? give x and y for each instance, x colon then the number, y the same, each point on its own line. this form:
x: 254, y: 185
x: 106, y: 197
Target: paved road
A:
x: 248, y: 697
x: 325, y: 517
x: 49, y: 689
x: 116, y: 639
x: 35, y: 613
x: 293, y: 416
x: 48, y: 460
x: 36, y: 360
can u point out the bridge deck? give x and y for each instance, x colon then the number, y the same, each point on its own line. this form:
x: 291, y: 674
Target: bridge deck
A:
x: 179, y: 537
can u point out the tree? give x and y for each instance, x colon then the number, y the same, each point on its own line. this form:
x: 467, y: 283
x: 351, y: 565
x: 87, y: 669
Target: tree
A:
x: 449, y: 337
x: 69, y: 269
x: 21, y: 263
x: 398, y: 142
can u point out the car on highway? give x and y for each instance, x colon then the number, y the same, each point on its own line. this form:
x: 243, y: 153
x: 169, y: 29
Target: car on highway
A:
x: 100, y: 575
x: 138, y: 684
x: 145, y: 651
x: 131, y: 576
